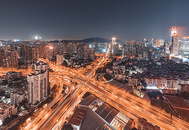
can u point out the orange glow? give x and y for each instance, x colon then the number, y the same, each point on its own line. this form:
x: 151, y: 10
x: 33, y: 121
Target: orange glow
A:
x: 50, y: 47
x: 186, y: 37
x: 132, y: 57
x: 175, y: 34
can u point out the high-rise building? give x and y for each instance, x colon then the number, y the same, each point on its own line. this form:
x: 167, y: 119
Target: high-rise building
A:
x: 27, y: 54
x: 2, y: 57
x: 89, y: 53
x: 41, y: 51
x: 11, y: 59
x: 174, y: 42
x: 59, y: 59
x: 173, y: 31
x: 114, y: 46
x: 159, y: 42
x: 38, y: 83
x: 81, y: 51
x: 34, y: 54
x: 166, y: 47
x: 85, y: 52
x: 71, y: 48
x: 50, y: 52
x: 184, y: 43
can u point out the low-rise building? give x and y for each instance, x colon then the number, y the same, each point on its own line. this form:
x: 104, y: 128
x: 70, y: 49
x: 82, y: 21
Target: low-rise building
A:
x: 17, y: 97
x: 133, y: 81
x: 6, y: 110
x: 184, y: 88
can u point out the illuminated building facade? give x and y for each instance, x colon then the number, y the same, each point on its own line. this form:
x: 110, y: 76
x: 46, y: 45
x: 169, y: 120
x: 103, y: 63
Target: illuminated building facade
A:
x: 11, y: 59
x: 38, y: 83
x: 59, y: 59
x: 159, y: 42
x: 166, y: 47
x: 7, y: 110
x: 114, y: 46
x: 175, y: 42
x: 184, y: 47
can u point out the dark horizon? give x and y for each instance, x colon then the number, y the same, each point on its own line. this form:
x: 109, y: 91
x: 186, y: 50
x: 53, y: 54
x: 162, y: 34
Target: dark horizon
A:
x: 73, y: 19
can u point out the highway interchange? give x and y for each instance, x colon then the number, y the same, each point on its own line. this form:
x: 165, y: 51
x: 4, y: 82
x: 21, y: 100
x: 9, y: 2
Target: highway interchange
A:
x: 130, y: 105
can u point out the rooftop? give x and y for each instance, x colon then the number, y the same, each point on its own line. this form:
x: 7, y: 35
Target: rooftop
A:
x: 88, y: 100
x: 107, y: 112
x: 78, y: 116
x: 94, y: 121
x: 119, y: 85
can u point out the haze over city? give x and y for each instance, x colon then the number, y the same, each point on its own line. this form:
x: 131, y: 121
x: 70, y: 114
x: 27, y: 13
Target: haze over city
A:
x: 73, y: 19
x: 94, y: 65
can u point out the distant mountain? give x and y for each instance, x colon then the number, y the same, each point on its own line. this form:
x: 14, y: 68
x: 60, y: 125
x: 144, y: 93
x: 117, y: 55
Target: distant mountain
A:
x: 93, y: 39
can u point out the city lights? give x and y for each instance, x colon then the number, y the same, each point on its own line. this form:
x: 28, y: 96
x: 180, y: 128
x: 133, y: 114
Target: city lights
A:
x: 37, y: 38
x: 51, y: 47
x: 113, y: 40
x: 16, y: 40
x: 100, y: 65
x: 28, y: 120
x: 173, y: 31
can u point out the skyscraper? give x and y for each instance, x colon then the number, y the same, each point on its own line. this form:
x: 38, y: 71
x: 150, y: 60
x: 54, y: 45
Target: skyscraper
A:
x: 166, y: 47
x: 174, y: 42
x: 59, y: 59
x: 114, y: 47
x: 11, y: 59
x: 38, y: 83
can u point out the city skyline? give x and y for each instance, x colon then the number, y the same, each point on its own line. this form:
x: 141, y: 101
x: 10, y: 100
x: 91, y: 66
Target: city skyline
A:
x: 88, y: 65
x: 126, y: 20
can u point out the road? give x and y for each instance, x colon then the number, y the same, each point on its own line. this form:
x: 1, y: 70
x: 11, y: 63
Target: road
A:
x: 47, y: 109
x: 64, y: 110
x: 130, y: 105
x: 66, y: 104
x: 3, y: 71
x: 135, y: 106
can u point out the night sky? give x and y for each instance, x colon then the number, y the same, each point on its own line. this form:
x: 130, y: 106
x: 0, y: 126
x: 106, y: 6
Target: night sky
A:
x: 78, y: 19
